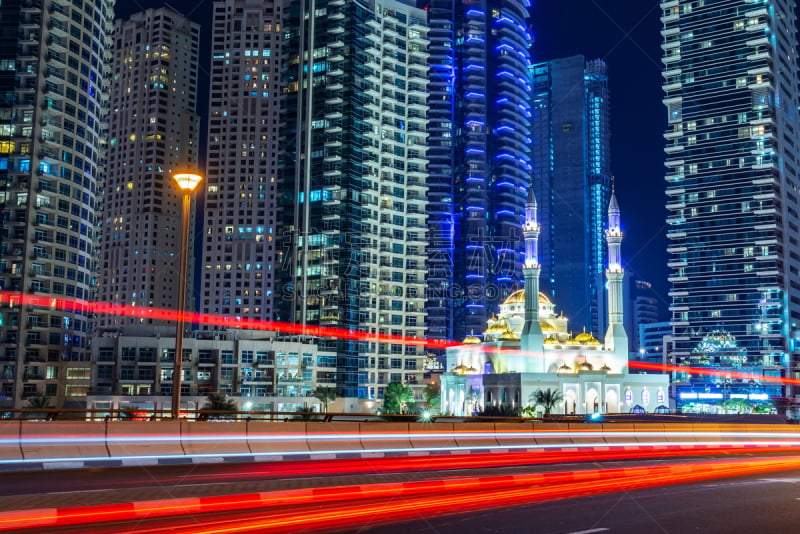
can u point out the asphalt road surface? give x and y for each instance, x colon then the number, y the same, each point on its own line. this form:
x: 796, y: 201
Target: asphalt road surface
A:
x: 760, y: 504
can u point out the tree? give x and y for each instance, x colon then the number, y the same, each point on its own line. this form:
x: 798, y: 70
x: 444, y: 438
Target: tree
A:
x: 431, y: 391
x: 304, y: 415
x: 41, y: 403
x: 325, y: 395
x: 432, y: 395
x: 547, y: 399
x: 219, y: 402
x: 396, y: 396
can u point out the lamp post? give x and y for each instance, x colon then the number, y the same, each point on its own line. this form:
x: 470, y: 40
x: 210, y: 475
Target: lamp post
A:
x: 187, y: 182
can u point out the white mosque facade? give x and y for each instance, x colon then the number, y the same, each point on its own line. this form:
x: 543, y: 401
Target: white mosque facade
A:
x: 527, y: 347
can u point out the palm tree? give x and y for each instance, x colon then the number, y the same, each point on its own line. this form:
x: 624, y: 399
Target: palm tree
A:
x: 325, y: 395
x: 547, y: 398
x: 219, y: 402
x: 396, y: 396
x: 41, y: 403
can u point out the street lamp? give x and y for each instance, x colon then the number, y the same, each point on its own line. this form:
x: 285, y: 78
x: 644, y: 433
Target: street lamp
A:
x: 187, y: 182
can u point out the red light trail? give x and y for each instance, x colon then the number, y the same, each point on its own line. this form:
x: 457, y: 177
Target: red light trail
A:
x: 87, y: 308
x: 347, y: 506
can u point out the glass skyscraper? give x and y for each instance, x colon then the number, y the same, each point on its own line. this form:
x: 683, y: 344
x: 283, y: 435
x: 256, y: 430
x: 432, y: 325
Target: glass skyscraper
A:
x: 479, y: 160
x: 730, y: 83
x: 54, y: 88
x: 572, y: 180
x: 352, y: 186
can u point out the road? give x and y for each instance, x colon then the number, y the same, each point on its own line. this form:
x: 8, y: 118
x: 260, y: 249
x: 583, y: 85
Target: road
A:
x: 766, y: 504
x: 365, y: 495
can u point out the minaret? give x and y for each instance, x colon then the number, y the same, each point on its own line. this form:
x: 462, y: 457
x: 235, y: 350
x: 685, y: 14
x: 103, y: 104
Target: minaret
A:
x: 616, y: 337
x: 532, y: 339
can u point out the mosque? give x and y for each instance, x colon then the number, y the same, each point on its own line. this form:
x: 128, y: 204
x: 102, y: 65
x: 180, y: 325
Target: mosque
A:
x: 527, y: 347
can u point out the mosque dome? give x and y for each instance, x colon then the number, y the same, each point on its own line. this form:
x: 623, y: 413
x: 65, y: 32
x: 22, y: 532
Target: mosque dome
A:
x: 518, y: 297
x: 497, y: 328
x: 471, y: 340
x: 585, y: 338
x: 605, y: 368
x: 586, y: 366
x: 508, y: 335
x: 551, y: 341
x: 458, y: 369
x: 547, y: 327
x: 565, y: 369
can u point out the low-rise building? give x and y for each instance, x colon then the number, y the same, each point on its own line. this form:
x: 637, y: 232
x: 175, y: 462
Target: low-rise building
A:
x: 256, y: 370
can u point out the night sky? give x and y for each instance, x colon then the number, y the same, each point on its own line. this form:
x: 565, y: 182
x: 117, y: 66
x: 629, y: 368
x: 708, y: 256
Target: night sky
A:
x: 625, y: 34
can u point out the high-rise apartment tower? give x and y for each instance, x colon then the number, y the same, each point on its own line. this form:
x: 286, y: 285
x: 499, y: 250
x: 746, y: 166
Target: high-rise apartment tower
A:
x: 54, y: 74
x: 239, y: 246
x: 479, y: 161
x: 731, y: 83
x: 153, y: 132
x: 353, y: 185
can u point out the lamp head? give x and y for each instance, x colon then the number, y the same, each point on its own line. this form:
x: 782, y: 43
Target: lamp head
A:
x: 187, y: 181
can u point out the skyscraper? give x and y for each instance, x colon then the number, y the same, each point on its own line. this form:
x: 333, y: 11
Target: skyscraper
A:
x: 572, y: 179
x: 730, y: 82
x: 353, y: 184
x: 153, y: 132
x: 237, y: 278
x: 479, y: 163
x: 54, y: 72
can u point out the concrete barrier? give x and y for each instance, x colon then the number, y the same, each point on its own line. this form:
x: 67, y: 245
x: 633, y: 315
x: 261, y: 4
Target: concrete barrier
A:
x: 552, y: 434
x: 475, y: 435
x: 272, y: 439
x: 679, y: 432
x: 142, y: 440
x: 59, y: 441
x: 786, y: 433
x: 9, y: 442
x: 80, y: 444
x: 619, y: 433
x: 384, y: 436
x: 517, y: 435
x: 582, y: 433
x: 218, y: 438
x: 334, y: 437
x: 432, y: 435
x: 706, y: 432
x: 651, y: 433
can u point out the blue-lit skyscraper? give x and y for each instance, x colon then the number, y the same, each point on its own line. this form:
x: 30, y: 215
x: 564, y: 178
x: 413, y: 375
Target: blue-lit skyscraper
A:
x: 479, y: 159
x: 572, y: 169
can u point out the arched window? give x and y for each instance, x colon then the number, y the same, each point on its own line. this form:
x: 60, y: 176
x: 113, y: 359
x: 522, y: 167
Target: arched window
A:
x: 660, y: 397
x: 645, y: 397
x: 628, y: 396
